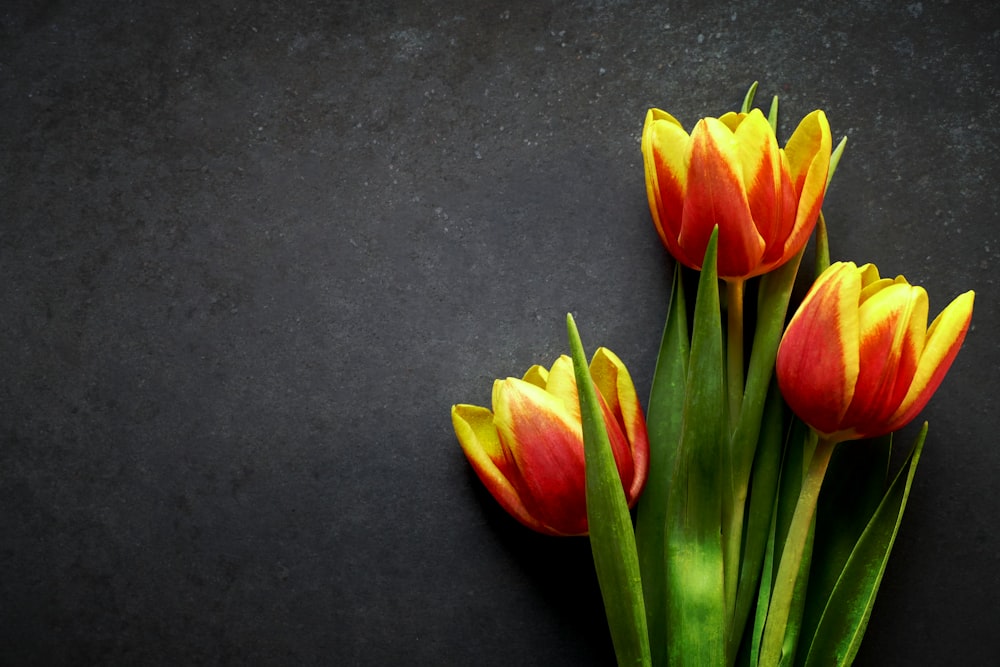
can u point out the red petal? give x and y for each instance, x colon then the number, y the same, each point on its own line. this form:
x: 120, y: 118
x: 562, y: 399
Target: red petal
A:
x: 716, y: 197
x: 491, y: 461
x: 547, y: 448
x: 787, y: 240
x: 817, y: 364
x: 615, y: 385
x: 893, y: 322
x: 761, y: 161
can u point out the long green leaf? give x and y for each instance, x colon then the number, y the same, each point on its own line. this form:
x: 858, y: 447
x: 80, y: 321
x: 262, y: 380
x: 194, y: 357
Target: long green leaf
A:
x: 855, y: 484
x: 760, y: 511
x: 845, y: 619
x: 666, y: 403
x: 696, y: 600
x: 793, y: 626
x: 797, y: 450
x: 772, y: 307
x: 611, y: 538
x: 785, y: 610
x: 752, y: 644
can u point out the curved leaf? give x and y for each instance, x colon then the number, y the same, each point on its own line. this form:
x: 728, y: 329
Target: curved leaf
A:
x: 666, y: 403
x: 611, y: 538
x: 855, y: 485
x: 845, y: 618
x: 696, y: 597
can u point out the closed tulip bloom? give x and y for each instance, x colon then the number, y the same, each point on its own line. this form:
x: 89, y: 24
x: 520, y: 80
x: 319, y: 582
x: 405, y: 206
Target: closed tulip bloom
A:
x: 730, y: 172
x: 858, y: 360
x: 528, y: 450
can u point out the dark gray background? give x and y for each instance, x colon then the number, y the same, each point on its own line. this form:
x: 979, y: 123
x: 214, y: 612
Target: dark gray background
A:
x: 251, y: 252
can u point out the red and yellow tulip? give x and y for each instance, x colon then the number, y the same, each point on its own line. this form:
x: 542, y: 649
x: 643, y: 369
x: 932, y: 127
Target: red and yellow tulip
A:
x: 528, y: 451
x: 858, y: 360
x: 730, y: 172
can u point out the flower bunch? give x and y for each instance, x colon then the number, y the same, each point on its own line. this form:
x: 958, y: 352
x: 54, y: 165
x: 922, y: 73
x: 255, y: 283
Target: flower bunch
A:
x: 729, y: 561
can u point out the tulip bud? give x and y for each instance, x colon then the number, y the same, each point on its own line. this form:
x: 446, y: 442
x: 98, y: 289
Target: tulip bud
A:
x: 529, y: 450
x: 729, y: 172
x: 858, y: 360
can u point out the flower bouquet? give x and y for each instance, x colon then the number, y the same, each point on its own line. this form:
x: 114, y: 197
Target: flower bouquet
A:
x: 760, y: 533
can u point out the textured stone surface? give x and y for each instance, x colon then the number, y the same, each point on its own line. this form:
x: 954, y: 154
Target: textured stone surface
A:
x: 252, y: 252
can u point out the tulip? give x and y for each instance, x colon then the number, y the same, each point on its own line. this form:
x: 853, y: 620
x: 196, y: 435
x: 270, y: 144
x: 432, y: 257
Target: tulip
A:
x: 858, y: 360
x: 729, y: 172
x: 529, y: 450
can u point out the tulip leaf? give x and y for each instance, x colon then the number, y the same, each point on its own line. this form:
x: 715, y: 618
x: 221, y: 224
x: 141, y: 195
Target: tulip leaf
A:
x: 696, y: 611
x: 797, y: 450
x: 764, y: 486
x: 822, y: 239
x: 854, y: 486
x: 612, y: 541
x: 772, y: 306
x: 772, y: 114
x: 666, y: 402
x: 835, y: 160
x: 784, y: 614
x: 822, y: 246
x: 842, y: 626
x: 793, y: 625
x: 763, y: 596
x: 748, y: 98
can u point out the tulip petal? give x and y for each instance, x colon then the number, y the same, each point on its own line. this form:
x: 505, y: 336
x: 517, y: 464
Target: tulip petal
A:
x: 893, y: 323
x: 907, y: 349
x: 620, y: 448
x: 781, y: 247
x: 761, y: 162
x: 604, y: 369
x: 666, y: 151
x: 732, y: 119
x: 491, y: 462
x: 944, y: 338
x: 615, y: 384
x: 562, y: 384
x: 546, y: 444
x: 818, y: 361
x: 660, y: 115
x: 537, y: 375
x: 716, y: 197
x: 808, y: 152
x: 869, y: 275
x: 873, y: 287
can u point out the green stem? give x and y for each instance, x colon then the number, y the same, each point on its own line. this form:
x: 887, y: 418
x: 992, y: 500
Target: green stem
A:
x: 734, y: 353
x: 791, y: 555
x: 734, y: 485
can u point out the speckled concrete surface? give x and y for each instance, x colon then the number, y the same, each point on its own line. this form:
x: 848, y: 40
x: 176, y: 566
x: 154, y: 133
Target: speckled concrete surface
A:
x: 252, y: 252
